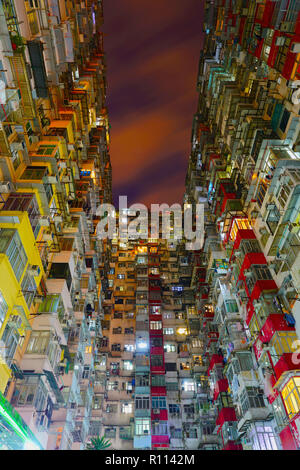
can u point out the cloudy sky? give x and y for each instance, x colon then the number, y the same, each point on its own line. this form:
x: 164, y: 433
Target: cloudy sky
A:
x: 152, y: 51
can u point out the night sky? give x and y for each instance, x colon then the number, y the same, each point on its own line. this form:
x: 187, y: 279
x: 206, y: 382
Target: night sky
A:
x: 152, y: 51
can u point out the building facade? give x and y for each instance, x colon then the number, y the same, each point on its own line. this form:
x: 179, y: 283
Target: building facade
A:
x: 141, y: 341
x: 244, y: 165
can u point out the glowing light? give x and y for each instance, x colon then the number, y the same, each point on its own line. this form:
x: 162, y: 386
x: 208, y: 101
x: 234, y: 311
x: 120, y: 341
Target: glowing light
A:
x: 29, y: 445
x: 182, y: 331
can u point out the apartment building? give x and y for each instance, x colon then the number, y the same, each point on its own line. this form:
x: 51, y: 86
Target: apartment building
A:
x: 244, y: 166
x: 55, y: 170
x: 139, y: 340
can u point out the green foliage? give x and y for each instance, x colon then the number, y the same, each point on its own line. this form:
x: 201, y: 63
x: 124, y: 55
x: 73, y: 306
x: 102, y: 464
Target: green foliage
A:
x: 98, y: 443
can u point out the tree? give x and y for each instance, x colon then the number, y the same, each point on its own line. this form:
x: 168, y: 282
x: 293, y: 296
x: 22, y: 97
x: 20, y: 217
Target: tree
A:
x: 98, y: 443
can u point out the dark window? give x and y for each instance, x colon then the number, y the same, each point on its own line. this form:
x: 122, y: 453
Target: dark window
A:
x: 170, y: 366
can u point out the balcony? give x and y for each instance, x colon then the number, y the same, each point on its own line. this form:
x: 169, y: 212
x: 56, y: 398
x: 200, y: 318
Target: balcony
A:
x: 21, y: 79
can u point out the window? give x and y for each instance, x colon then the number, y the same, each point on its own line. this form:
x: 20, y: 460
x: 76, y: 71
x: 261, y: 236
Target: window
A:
x: 25, y: 390
x: 155, y: 325
x: 118, y: 315
x: 11, y: 339
x: 172, y: 386
x: 170, y: 366
x: 159, y: 429
x: 196, y: 343
x: 34, y: 173
x: 127, y: 408
x: 3, y: 309
x: 231, y: 306
x: 45, y: 149
x: 125, y: 432
x: 156, y: 361
x: 142, y: 403
x: 282, y: 342
x: 262, y: 273
x: 174, y: 409
x: 191, y: 433
x: 175, y: 433
x: 159, y: 403
x: 156, y: 342
x: 142, y: 426
x: 189, y: 409
x: 28, y: 287
x: 168, y: 315
x: 263, y: 437
x: 117, y: 331
x: 168, y: 331
x: 158, y: 381
x: 273, y: 219
x: 38, y: 342
x: 142, y: 381
x: 129, y: 347
x: 252, y: 397
x: 112, y: 386
x: 291, y: 396
x: 11, y: 245
x: 155, y: 310
x: 128, y: 365
x: 116, y: 347
x: 284, y: 120
x: 129, y: 331
x: 188, y: 386
x: 168, y: 347
x: 110, y: 432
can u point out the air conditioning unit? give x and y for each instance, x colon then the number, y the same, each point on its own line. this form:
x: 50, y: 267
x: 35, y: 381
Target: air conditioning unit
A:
x: 286, y: 26
x: 295, y: 228
x: 47, y: 237
x: 39, y: 299
x: 15, y: 146
x: 34, y: 270
x: 282, y: 257
x: 291, y: 84
x: 44, y: 221
x: 247, y: 273
x: 156, y: 411
x: 280, y: 41
x: 6, y: 187
x: 50, y: 179
x: 295, y: 47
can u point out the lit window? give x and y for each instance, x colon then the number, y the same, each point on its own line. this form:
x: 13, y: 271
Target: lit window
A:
x: 155, y: 325
x: 127, y: 408
x: 169, y: 347
x: 168, y: 331
x: 188, y: 386
x: 142, y: 426
x: 128, y: 365
x: 291, y: 396
x: 182, y: 331
x: 263, y: 437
